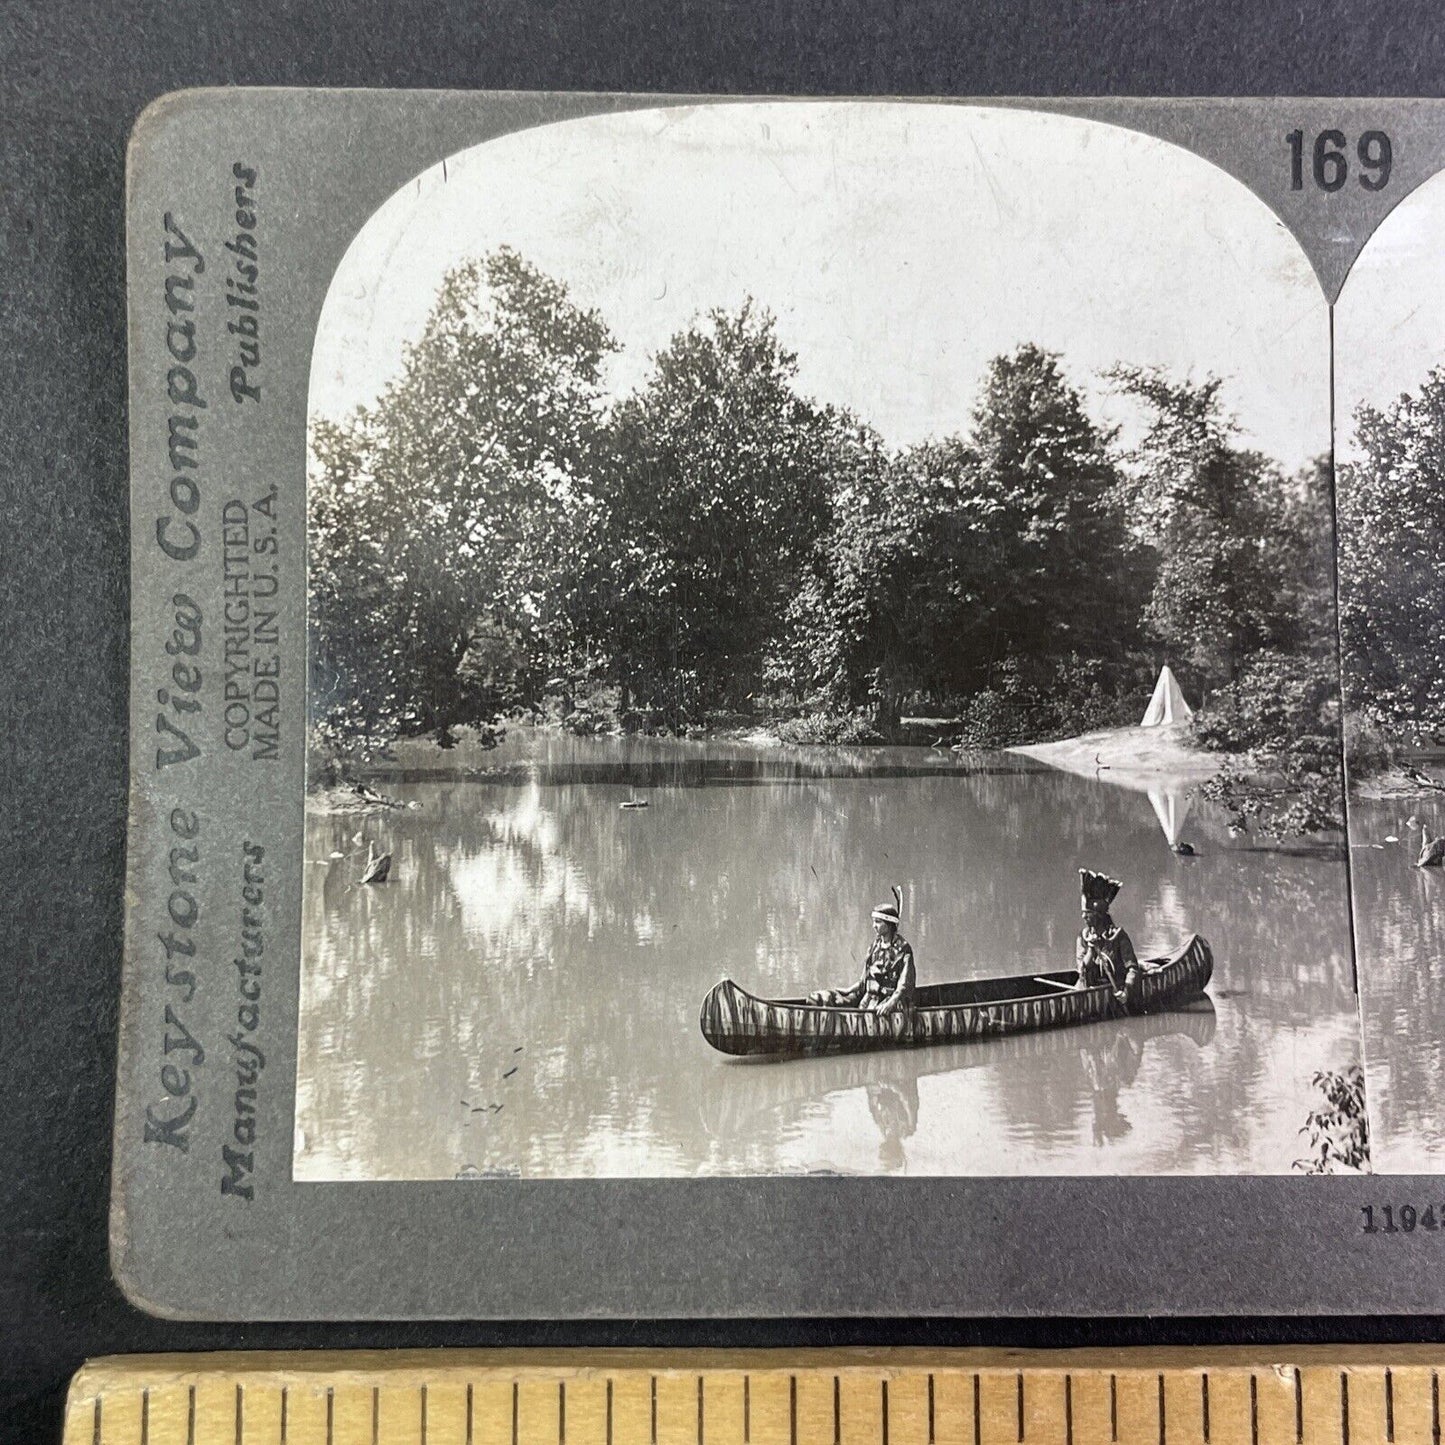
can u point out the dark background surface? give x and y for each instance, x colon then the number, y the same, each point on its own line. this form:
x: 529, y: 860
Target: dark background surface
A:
x: 72, y: 79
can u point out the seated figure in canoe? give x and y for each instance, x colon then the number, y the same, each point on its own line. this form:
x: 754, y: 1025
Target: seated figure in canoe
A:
x: 1104, y: 953
x: 888, y: 972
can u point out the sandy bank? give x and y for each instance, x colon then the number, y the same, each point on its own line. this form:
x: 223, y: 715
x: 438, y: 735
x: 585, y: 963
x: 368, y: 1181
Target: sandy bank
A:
x: 1133, y: 757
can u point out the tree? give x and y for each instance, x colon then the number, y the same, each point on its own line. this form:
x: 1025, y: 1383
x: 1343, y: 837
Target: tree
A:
x: 1069, y: 580
x: 1243, y: 599
x: 894, y: 586
x: 958, y: 560
x: 451, y: 522
x: 718, y: 493
x: 1224, y: 524
x: 1392, y: 564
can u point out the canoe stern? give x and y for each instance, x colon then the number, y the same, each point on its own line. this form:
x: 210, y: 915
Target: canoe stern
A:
x: 730, y: 1022
x: 1185, y: 976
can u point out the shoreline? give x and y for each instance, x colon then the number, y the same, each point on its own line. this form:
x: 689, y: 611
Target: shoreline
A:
x: 1390, y: 785
x: 1133, y: 757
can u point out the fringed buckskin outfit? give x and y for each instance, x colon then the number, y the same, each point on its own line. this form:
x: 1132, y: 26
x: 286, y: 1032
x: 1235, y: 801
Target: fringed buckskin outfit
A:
x: 884, y: 968
x: 888, y: 969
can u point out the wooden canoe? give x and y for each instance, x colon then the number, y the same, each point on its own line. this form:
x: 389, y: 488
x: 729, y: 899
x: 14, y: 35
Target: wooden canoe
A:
x: 770, y: 1098
x: 735, y: 1022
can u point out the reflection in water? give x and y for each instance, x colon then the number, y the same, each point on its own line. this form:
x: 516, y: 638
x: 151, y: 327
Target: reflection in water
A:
x: 1400, y: 936
x: 1171, y: 806
x: 523, y: 995
x: 1103, y: 1058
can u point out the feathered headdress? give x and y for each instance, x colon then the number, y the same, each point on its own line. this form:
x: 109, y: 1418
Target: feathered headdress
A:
x: 1098, y: 889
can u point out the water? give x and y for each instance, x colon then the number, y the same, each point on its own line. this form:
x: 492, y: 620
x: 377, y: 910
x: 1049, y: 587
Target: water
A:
x: 1400, y: 924
x: 522, y: 996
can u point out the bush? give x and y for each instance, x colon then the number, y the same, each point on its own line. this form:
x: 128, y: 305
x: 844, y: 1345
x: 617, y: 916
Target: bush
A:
x: 1281, y: 715
x: 1069, y: 696
x: 582, y: 722
x: 1339, y: 1133
x: 847, y: 729
x: 1368, y: 746
x: 1278, y: 699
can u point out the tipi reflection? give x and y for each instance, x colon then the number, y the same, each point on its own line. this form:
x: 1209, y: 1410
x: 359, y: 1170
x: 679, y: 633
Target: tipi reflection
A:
x: 1172, y: 807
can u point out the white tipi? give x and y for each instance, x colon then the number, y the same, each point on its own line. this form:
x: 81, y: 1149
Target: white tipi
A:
x: 1167, y: 705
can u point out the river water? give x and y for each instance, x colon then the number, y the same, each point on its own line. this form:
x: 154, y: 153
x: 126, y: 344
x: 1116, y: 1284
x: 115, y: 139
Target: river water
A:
x: 521, y: 997
x: 1400, y: 926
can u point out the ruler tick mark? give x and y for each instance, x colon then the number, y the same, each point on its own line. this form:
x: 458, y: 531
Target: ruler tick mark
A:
x: 145, y: 1417
x: 1204, y: 1403
x: 747, y: 1410
x: 885, y: 1416
x: 469, y: 1412
x: 654, y: 1412
x: 1020, y: 1406
x: 609, y: 1412
x: 330, y: 1412
x: 977, y: 1421
x: 1389, y: 1407
x: 1344, y: 1407
x: 1162, y: 1423
x: 516, y: 1410
x: 1113, y: 1407
x: 793, y: 1409
x: 191, y: 1416
x: 699, y: 1410
x: 423, y: 1415
x: 837, y: 1411
x: 561, y: 1412
x: 1253, y: 1410
x: 1299, y: 1407
x: 285, y: 1411
x: 95, y: 1428
x: 240, y: 1414
x: 1435, y: 1406
x: 930, y: 1409
x: 1068, y: 1410
x: 375, y: 1416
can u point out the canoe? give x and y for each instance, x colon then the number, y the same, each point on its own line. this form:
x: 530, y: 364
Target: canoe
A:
x: 736, y: 1022
x: 769, y: 1098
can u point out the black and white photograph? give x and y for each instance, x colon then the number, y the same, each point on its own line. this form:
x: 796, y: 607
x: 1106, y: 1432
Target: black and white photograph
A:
x: 1390, y: 370
x: 822, y: 660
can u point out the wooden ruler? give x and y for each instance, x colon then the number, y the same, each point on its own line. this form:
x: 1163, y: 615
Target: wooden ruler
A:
x: 856, y: 1397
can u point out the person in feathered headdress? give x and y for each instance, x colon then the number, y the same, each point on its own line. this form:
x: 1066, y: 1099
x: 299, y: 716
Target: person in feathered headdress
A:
x: 888, y: 969
x: 1105, y: 953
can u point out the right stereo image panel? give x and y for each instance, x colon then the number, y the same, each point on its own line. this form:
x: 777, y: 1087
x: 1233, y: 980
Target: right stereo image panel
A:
x: 1389, y: 352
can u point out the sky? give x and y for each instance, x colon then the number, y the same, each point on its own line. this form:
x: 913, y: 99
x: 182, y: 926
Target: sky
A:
x: 901, y: 247
x: 1390, y: 318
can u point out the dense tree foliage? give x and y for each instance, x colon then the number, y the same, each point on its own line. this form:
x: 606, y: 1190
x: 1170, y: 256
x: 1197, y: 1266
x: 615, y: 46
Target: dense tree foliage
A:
x: 451, y: 524
x: 1242, y: 601
x: 1392, y: 567
x: 496, y: 533
x: 949, y: 565
x: 1239, y: 547
x: 719, y: 491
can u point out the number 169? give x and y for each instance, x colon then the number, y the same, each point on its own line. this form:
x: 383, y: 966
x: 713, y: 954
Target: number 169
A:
x: 1330, y: 166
